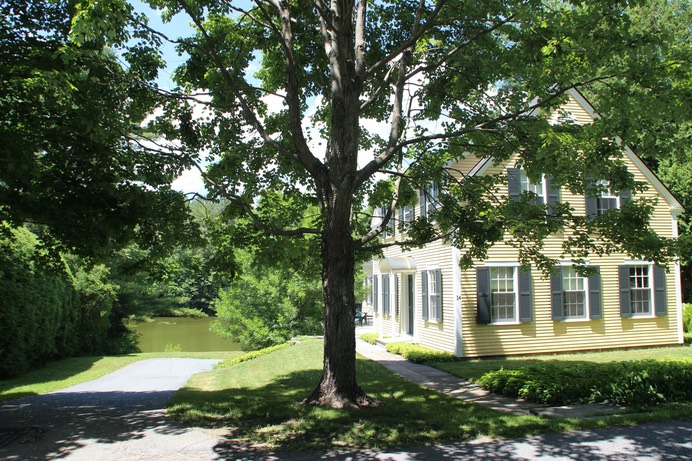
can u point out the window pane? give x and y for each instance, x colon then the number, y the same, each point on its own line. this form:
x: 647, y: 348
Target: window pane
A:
x: 502, y: 295
x: 640, y: 290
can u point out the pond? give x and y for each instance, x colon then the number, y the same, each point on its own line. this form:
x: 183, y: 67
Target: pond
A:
x: 180, y: 334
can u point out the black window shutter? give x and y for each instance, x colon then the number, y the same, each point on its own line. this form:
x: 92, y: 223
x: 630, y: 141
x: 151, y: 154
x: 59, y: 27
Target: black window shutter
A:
x: 376, y: 294
x: 483, y: 295
x: 525, y: 308
x: 514, y: 183
x: 595, y: 311
x: 624, y: 281
x: 396, y: 294
x: 659, y: 291
x: 556, y: 294
x: 424, y: 292
x: 625, y: 195
x: 438, y: 282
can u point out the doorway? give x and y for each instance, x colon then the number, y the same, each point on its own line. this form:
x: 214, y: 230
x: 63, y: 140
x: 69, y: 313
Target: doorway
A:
x: 410, y: 297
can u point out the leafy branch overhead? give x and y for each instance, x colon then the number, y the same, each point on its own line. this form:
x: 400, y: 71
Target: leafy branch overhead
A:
x: 357, y: 107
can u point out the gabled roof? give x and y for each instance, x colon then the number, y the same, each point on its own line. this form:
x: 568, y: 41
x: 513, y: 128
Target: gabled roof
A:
x: 482, y: 166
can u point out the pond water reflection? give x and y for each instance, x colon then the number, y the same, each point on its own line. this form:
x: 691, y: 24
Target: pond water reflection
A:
x: 180, y: 334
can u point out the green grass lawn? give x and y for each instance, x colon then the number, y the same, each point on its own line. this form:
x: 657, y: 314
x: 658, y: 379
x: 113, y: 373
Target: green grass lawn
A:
x: 259, y: 401
x: 68, y: 372
x: 474, y: 369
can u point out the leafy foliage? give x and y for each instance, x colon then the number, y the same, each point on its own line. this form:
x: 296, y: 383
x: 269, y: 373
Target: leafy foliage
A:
x: 49, y: 309
x: 635, y: 383
x: 72, y: 153
x: 420, y: 354
x: 267, y: 305
x: 252, y: 355
x: 370, y: 338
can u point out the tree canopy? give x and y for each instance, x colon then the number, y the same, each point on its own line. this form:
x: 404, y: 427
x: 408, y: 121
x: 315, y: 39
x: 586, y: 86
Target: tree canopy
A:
x: 355, y: 105
x: 71, y: 155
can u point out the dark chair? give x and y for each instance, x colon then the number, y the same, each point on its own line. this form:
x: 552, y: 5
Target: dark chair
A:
x: 359, y: 314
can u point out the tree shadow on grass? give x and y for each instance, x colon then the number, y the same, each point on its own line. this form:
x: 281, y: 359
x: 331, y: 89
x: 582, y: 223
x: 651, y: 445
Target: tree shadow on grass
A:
x: 272, y: 417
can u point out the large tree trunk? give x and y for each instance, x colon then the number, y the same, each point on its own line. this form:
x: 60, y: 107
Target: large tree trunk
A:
x: 338, y: 387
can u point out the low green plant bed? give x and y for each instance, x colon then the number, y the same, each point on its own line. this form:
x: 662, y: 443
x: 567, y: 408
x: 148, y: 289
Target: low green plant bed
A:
x: 419, y: 354
x: 634, y: 383
x: 369, y: 337
x: 252, y: 355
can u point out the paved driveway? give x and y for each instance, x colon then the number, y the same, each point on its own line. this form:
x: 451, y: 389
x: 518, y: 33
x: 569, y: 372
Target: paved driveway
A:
x: 120, y: 417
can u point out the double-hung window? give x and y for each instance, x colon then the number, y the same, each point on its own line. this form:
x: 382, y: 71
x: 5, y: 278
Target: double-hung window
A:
x: 575, y: 296
x: 431, y: 287
x: 600, y: 198
x: 429, y: 199
x: 504, y: 294
x: 389, y: 228
x: 518, y: 183
x: 642, y: 290
x: 385, y: 294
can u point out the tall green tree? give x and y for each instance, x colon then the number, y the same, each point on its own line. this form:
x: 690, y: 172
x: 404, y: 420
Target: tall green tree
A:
x: 71, y: 156
x: 328, y: 103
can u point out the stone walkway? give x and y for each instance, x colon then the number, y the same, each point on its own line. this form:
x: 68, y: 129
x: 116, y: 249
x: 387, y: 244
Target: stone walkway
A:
x: 440, y: 381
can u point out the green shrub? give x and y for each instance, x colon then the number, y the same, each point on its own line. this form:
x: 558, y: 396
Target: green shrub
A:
x: 633, y: 383
x: 688, y: 338
x: 687, y: 317
x: 252, y: 355
x: 419, y: 354
x: 369, y: 337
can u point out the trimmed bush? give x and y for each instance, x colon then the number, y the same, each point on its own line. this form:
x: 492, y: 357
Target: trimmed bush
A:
x: 419, y: 354
x: 687, y: 317
x: 252, y: 355
x: 636, y: 383
x: 369, y: 337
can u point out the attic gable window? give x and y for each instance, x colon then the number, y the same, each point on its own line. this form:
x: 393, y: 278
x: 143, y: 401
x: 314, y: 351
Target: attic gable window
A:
x: 605, y: 200
x: 519, y: 183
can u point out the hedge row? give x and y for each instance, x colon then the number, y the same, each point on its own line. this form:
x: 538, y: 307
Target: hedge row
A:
x: 634, y: 383
x: 45, y: 312
x: 253, y: 355
x: 419, y: 354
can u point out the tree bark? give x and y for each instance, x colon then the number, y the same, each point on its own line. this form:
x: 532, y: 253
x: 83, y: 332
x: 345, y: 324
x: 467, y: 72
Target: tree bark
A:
x: 338, y: 387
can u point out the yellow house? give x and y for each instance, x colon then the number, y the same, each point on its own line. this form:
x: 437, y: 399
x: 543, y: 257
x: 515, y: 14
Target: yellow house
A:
x: 495, y: 308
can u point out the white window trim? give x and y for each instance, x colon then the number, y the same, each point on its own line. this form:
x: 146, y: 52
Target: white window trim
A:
x: 587, y: 308
x: 544, y: 185
x: 432, y: 286
x: 515, y: 321
x: 609, y: 194
x: 652, y: 292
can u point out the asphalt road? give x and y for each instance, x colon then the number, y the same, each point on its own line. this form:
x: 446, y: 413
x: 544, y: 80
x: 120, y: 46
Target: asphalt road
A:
x: 120, y: 417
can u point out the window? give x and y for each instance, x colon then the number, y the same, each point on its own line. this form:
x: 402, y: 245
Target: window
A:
x: 385, y: 294
x: 604, y: 199
x: 537, y: 188
x: 429, y: 199
x: 369, y: 289
x: 504, y: 294
x: 431, y: 287
x: 574, y: 296
x: 405, y: 217
x: 519, y: 183
x: 642, y: 290
x: 389, y: 228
